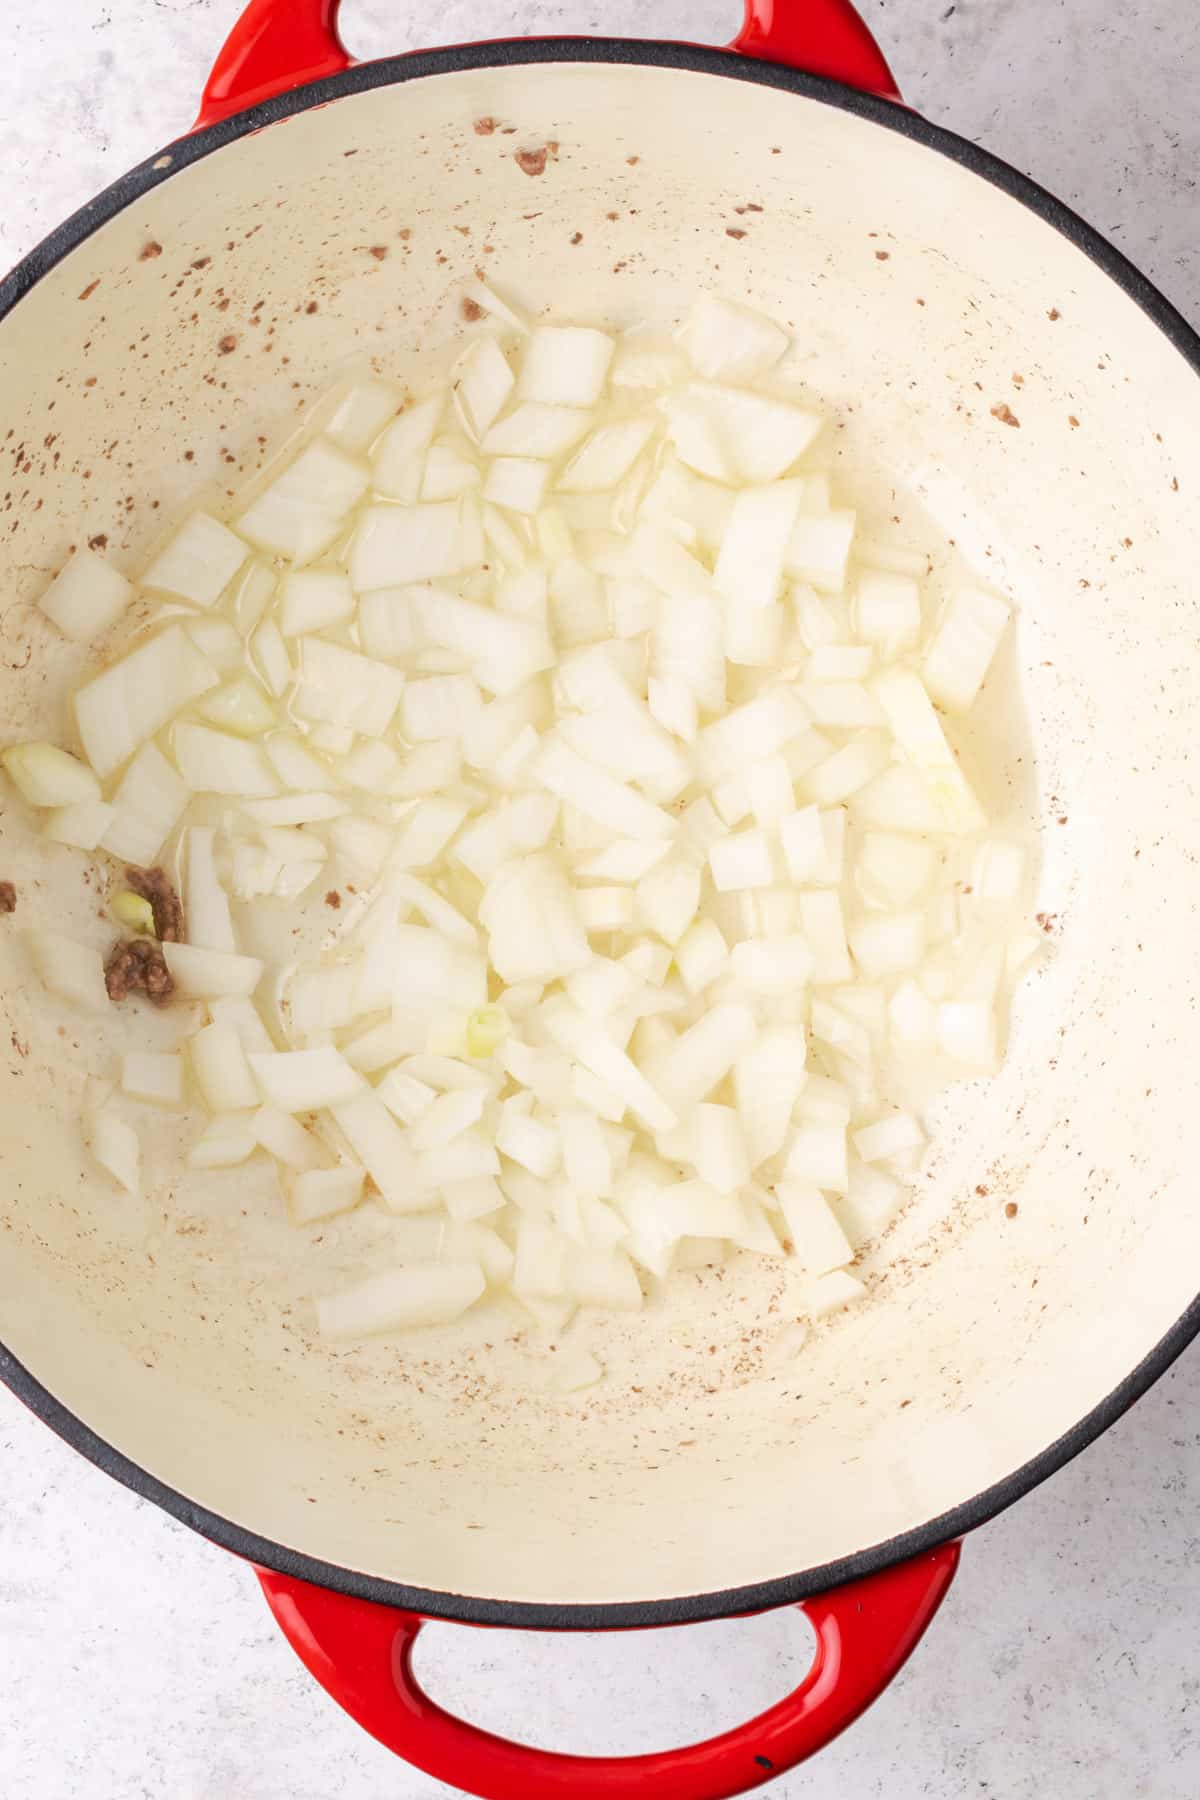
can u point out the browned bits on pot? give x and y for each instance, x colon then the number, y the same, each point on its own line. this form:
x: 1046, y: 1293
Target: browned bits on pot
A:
x: 149, y: 251
x: 138, y: 966
x: 577, y: 237
x: 883, y: 256
x: 484, y: 127
x: 99, y: 542
x: 983, y: 1190
x: 227, y: 343
x: 311, y: 307
x: 531, y: 162
x: 1072, y: 421
x: 379, y: 252
x: 154, y: 886
x: 470, y: 309
x: 1053, y: 314
x: 8, y: 897
x: 90, y: 289
x: 734, y: 231
x: 1005, y: 414
x: 333, y: 898
x: 1010, y: 1211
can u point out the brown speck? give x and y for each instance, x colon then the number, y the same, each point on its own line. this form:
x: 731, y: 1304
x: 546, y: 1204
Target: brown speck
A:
x: 1062, y: 818
x: 1128, y: 543
x: 99, y: 542
x: 1174, y: 484
x: 8, y: 897
x: 333, y: 898
x: 227, y: 343
x: 379, y: 252
x: 1005, y: 414
x: 90, y: 289
x: 577, y: 237
x: 983, y: 1190
x: 1072, y: 421
x: 633, y: 160
x: 311, y: 307
x: 404, y: 234
x: 1010, y: 1211
x: 202, y: 262
x: 531, y: 162
x: 734, y: 231
x: 484, y: 127
x: 1053, y: 314
x: 149, y: 251
x: 90, y: 382
x: 883, y: 256
x: 470, y: 309
x: 1018, y: 381
x: 612, y: 215
x: 1046, y: 921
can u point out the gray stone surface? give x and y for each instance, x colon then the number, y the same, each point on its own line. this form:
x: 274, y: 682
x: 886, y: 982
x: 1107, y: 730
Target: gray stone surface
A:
x: 138, y: 1662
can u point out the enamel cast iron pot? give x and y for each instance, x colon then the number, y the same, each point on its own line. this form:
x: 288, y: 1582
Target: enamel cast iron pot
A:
x: 1000, y: 377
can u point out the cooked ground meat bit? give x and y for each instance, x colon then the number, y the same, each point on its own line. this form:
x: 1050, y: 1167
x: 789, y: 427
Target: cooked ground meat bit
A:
x: 152, y: 885
x: 138, y: 966
x: 8, y: 897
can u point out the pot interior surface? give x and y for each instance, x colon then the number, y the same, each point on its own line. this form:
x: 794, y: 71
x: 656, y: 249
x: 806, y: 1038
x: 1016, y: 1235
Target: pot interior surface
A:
x: 178, y: 346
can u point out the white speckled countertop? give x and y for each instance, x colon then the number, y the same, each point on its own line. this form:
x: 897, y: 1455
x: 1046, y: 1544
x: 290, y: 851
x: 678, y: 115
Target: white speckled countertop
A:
x: 138, y: 1662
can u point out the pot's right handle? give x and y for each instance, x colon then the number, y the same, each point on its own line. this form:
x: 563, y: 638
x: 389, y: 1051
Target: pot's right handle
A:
x: 361, y: 1652
x: 277, y: 45
x: 822, y: 37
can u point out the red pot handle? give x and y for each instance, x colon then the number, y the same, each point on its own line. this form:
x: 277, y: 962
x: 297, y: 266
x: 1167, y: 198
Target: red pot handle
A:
x: 361, y: 1653
x: 281, y: 44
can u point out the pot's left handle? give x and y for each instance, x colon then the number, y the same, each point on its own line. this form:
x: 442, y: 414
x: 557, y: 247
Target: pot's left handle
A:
x: 275, y: 45
x: 361, y: 1652
x: 281, y: 44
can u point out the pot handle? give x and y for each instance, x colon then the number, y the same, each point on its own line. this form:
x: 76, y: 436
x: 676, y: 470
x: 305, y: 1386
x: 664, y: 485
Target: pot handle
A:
x: 361, y: 1653
x: 281, y: 44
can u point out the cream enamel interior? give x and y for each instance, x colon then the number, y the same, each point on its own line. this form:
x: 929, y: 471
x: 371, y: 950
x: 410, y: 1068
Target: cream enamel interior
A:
x: 177, y: 1326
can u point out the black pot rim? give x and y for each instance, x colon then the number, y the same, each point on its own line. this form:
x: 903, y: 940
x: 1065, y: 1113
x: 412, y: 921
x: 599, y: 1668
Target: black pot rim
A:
x: 788, y: 1589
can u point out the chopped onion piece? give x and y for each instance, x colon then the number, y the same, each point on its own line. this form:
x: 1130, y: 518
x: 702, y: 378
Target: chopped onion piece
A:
x: 83, y: 824
x: 312, y: 599
x: 338, y: 687
x: 112, y: 1142
x: 564, y: 365
x: 361, y: 415
x: 399, y: 1299
x: 963, y: 644
x: 728, y: 342
x: 300, y: 513
x: 483, y: 382
x: 314, y: 1194
x: 818, y: 1242
x: 216, y: 762
x: 136, y: 697
x: 383, y: 1149
x: 47, y: 776
x: 399, y: 456
x: 201, y: 974
x: 86, y: 597
x: 198, y: 562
